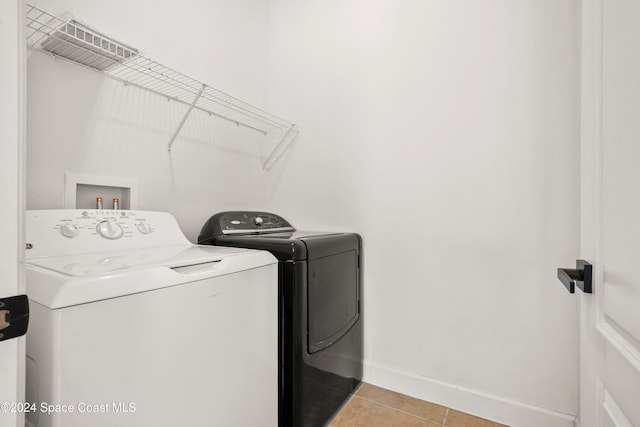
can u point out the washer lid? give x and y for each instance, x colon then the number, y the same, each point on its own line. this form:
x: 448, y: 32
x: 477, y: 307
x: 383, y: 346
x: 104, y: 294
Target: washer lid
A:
x: 98, y: 264
x: 58, y: 282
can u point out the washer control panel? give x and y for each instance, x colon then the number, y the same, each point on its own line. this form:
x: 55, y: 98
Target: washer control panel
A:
x: 66, y: 231
x: 108, y: 225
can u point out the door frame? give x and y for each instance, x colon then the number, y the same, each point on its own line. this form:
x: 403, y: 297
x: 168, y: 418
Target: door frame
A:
x: 12, y: 193
x: 590, y: 342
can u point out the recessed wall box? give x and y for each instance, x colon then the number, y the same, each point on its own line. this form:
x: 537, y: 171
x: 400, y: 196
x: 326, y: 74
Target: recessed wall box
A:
x: 81, y: 191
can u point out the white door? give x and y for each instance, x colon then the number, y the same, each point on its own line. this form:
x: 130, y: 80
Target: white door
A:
x: 12, y: 114
x: 610, y: 212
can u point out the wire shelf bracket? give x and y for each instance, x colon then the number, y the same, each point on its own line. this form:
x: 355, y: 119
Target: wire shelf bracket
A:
x: 186, y: 116
x: 74, y: 41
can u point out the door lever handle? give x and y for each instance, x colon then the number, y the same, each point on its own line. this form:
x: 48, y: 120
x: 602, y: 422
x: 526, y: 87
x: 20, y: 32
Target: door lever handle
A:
x: 581, y: 276
x: 14, y: 316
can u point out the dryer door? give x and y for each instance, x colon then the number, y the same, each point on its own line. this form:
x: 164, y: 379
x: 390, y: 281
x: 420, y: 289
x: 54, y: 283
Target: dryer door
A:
x: 333, y: 291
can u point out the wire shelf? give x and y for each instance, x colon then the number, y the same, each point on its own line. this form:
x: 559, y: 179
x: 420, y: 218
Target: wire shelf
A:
x: 74, y: 41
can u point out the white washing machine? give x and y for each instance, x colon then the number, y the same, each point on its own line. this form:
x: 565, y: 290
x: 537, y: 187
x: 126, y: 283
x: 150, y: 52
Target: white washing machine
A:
x: 132, y: 325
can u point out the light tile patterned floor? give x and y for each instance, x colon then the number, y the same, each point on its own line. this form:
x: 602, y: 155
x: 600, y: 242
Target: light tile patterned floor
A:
x: 373, y: 406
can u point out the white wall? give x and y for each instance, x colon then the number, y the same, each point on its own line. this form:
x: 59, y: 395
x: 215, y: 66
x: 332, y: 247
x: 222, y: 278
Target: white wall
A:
x: 447, y: 134
x: 82, y: 123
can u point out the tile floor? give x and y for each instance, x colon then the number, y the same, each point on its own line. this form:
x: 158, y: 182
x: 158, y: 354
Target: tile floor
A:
x: 375, y: 406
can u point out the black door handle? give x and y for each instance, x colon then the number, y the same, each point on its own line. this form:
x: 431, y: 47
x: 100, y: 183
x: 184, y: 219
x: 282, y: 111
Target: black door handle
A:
x: 581, y: 276
x: 14, y: 316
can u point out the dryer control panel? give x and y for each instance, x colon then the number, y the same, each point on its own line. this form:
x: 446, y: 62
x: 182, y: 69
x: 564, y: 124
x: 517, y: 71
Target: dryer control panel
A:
x: 249, y: 222
x: 74, y: 231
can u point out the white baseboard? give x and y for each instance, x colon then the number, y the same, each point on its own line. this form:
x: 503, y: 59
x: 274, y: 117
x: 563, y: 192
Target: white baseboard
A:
x: 499, y: 409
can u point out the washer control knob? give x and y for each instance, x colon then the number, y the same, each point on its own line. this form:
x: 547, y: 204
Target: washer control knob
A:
x: 109, y: 230
x: 258, y: 220
x: 69, y: 230
x: 144, y: 228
